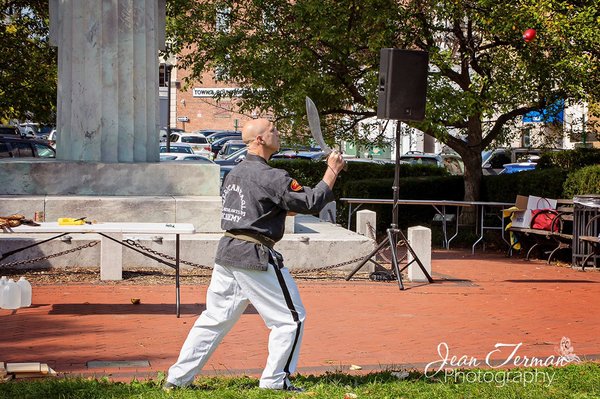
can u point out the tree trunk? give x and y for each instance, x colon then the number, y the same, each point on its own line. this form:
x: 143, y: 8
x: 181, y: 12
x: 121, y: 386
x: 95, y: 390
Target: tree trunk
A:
x: 473, y: 174
x: 472, y: 181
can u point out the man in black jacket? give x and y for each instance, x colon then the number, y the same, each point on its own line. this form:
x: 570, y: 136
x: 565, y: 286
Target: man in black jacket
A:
x: 256, y: 200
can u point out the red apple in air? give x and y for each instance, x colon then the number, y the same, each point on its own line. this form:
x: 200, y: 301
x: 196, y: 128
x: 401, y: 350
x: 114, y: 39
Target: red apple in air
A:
x: 529, y: 35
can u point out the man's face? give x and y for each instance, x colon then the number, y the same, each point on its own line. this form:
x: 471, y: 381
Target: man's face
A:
x: 271, y: 138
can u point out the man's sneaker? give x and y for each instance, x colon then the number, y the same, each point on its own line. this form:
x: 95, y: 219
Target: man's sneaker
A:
x: 168, y: 386
x: 293, y: 388
x: 287, y: 387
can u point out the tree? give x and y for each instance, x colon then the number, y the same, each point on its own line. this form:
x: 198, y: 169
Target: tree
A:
x: 483, y: 76
x: 28, y: 66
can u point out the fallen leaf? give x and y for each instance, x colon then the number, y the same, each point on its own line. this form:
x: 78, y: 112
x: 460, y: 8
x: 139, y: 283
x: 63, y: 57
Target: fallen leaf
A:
x: 136, y: 301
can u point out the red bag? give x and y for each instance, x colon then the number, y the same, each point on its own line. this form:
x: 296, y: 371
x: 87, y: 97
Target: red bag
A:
x: 542, y: 219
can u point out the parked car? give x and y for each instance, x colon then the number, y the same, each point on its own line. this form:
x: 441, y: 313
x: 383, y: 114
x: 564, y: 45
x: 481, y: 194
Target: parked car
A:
x: 9, y: 130
x: 230, y: 147
x: 213, y: 135
x: 19, y: 147
x: 176, y: 148
x: 163, y: 132
x: 198, y: 142
x: 370, y: 160
x: 518, y: 167
x: 308, y: 155
x: 170, y: 156
x: 217, y: 144
x: 228, y: 163
x: 52, y: 138
x: 45, y: 131
x: 493, y: 161
x: 29, y: 129
x: 451, y: 162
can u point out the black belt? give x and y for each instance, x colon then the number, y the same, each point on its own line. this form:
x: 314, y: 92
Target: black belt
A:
x: 256, y: 238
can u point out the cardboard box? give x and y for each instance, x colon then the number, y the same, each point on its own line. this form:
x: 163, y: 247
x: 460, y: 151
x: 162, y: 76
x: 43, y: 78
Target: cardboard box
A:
x: 540, y: 203
x: 522, y: 217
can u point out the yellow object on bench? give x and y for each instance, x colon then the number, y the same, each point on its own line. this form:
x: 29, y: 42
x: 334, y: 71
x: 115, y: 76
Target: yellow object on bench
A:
x: 70, y: 221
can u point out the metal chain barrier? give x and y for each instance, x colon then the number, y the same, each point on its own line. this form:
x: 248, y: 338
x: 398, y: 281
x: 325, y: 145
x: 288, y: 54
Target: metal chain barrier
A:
x: 320, y: 269
x: 35, y: 260
x: 133, y: 243
x: 192, y: 264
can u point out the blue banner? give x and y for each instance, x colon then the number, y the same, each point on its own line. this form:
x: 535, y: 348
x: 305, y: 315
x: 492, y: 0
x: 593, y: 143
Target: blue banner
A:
x: 553, y: 113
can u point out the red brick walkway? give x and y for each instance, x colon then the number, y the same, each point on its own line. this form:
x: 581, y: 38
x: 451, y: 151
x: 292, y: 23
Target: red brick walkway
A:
x: 476, y: 302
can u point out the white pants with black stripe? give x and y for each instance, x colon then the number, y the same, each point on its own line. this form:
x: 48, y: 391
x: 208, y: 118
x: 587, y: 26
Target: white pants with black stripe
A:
x: 275, y: 296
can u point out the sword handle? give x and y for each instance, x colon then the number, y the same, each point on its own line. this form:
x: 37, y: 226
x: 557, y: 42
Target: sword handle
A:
x: 345, y: 167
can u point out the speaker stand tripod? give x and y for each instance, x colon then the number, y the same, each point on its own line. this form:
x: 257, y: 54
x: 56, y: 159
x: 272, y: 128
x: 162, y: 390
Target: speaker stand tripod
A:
x: 394, y: 234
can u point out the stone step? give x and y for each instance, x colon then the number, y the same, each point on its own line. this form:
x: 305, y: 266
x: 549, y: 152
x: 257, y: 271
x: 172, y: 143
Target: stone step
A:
x: 204, y: 212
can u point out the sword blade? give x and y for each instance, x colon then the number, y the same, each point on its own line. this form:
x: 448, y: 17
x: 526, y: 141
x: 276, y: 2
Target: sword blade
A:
x: 314, y: 122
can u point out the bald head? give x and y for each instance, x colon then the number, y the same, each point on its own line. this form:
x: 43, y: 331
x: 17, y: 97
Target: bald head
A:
x: 254, y: 128
x: 261, y: 136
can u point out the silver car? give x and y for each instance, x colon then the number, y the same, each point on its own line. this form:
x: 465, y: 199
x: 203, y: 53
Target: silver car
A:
x: 179, y: 148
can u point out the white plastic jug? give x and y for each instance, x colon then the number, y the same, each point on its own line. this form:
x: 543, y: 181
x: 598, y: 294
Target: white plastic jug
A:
x: 25, y: 292
x: 11, y: 294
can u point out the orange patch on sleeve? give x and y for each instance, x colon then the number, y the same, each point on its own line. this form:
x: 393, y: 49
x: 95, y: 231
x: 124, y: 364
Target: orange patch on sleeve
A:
x: 295, y: 186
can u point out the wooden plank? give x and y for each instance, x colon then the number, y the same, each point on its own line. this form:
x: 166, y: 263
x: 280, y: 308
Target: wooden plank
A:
x: 591, y: 239
x: 531, y: 231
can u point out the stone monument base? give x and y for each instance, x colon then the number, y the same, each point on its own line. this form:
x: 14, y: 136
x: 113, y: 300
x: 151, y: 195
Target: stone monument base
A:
x: 62, y: 178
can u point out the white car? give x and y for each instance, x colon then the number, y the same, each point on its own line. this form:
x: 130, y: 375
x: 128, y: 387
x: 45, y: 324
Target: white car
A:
x: 52, y: 138
x: 172, y: 156
x: 199, y: 143
x: 176, y: 148
x: 29, y: 129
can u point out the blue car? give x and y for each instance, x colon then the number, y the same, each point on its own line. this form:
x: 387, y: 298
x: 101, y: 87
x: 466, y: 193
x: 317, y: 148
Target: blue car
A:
x: 518, y: 167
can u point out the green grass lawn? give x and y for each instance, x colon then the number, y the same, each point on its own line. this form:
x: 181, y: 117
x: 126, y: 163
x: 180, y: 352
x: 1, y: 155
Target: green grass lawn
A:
x: 573, y: 381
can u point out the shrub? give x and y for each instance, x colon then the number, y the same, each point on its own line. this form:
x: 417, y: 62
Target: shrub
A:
x: 430, y: 187
x: 542, y: 183
x: 583, y: 181
x: 570, y: 159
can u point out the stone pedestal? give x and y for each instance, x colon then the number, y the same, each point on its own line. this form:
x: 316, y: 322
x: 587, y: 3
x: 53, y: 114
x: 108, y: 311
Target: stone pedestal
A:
x: 366, y: 222
x: 50, y: 177
x: 419, y: 238
x: 107, y: 78
x: 111, y: 258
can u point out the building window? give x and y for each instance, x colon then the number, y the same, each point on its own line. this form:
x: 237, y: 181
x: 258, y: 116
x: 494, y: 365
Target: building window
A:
x: 162, y: 76
x: 526, y: 138
x: 269, y: 19
x: 223, y: 20
x: 222, y: 70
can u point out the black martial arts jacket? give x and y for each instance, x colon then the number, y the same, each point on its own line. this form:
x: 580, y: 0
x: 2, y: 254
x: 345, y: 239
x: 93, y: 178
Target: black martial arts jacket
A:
x: 256, y: 199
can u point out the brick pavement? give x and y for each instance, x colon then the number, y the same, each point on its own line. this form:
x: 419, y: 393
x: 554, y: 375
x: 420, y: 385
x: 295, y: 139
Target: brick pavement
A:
x: 476, y: 302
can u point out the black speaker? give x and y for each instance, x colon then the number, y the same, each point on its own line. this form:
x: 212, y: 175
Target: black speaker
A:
x: 402, y: 84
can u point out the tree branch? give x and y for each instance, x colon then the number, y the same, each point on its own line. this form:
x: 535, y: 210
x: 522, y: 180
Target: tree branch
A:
x: 502, y: 119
